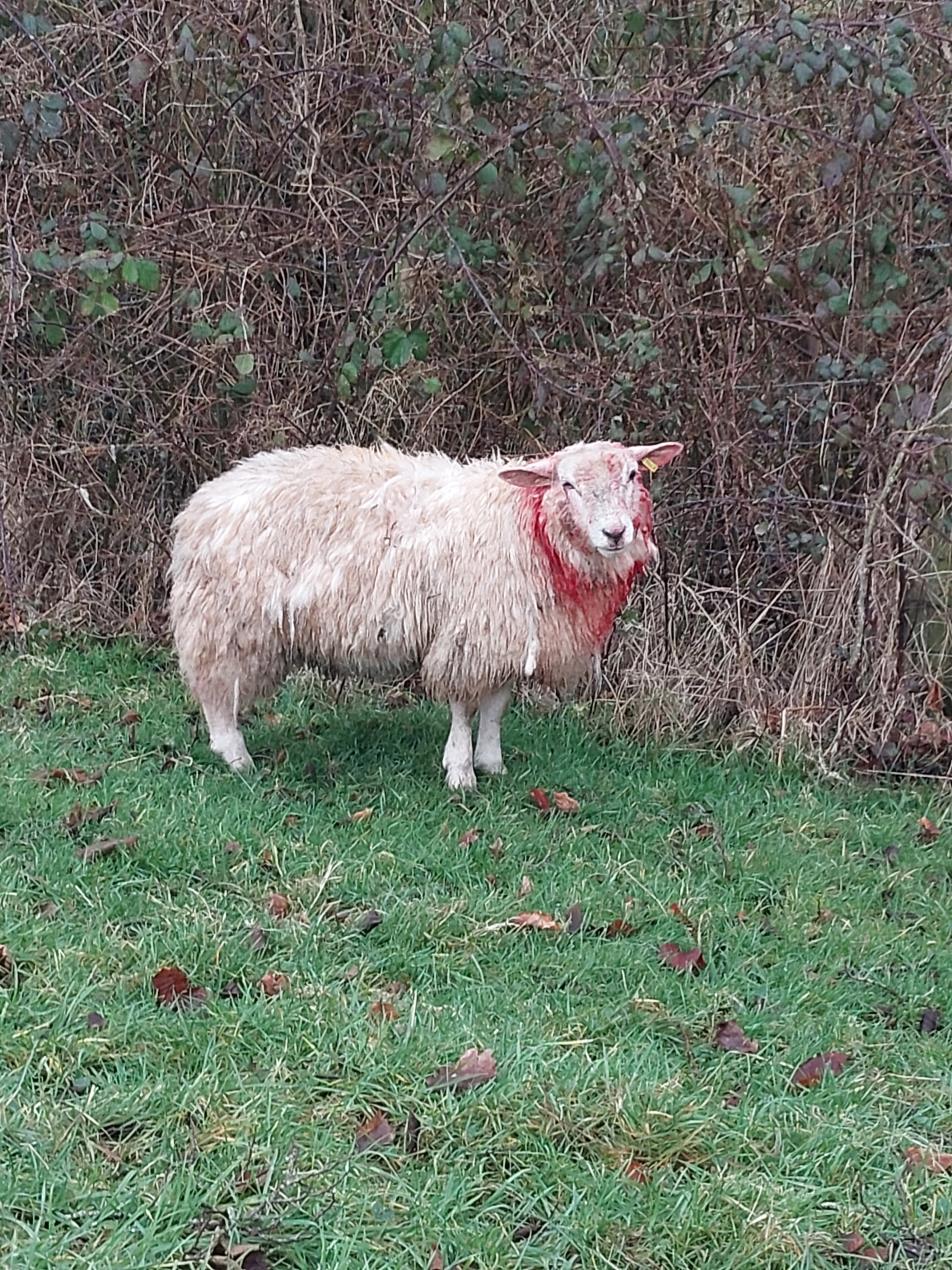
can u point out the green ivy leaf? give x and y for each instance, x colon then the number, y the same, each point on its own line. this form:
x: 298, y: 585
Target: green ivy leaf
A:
x: 396, y: 347
x: 432, y: 386
x: 902, y: 81
x: 838, y: 75
x: 439, y: 146
x: 41, y: 262
x: 487, y: 175
x: 130, y: 271
x: 740, y: 195
x: 244, y: 363
x: 635, y: 22
x: 349, y: 372
x: 803, y: 72
x: 839, y: 304
x: 201, y: 330
x: 148, y: 272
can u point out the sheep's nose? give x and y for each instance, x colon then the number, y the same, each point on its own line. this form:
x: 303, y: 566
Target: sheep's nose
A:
x: 614, y: 534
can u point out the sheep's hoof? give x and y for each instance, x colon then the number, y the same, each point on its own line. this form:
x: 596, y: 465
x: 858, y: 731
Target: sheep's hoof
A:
x: 461, y: 778
x: 490, y: 766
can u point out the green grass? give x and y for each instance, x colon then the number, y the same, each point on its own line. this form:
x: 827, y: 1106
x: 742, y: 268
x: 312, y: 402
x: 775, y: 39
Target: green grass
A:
x: 126, y: 1146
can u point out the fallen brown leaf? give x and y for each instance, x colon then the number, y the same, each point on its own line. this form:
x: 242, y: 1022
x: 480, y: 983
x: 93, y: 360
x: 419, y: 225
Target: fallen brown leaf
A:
x: 618, y: 929
x: 173, y: 988
x: 928, y: 1158
x: 375, y: 1132
x: 928, y: 829
x: 541, y: 799
x: 130, y: 718
x: 525, y: 886
x: 436, y: 1261
x: 856, y: 1246
x: 7, y: 967
x: 704, y: 831
x: 69, y: 775
x: 474, y: 1067
x: 231, y: 990
x: 78, y: 815
x: 930, y: 1021
x: 535, y: 921
x: 383, y: 1010
x: 497, y: 849
x: 573, y: 920
x: 528, y: 1230
x: 291, y: 820
x: 104, y: 846
x: 637, y: 1171
x: 732, y: 1037
x: 359, y: 817
x: 95, y: 1021
x: 278, y: 905
x: 272, y: 982
x: 232, y: 847
x: 48, y: 910
x: 565, y: 802
x: 368, y: 921
x: 257, y: 938
x: 813, y: 1070
x: 225, y: 1256
x: 677, y: 958
x: 469, y: 837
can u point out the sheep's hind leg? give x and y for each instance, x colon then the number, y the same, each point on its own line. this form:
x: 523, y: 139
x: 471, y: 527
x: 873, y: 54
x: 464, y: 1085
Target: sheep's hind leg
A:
x: 224, y: 735
x: 458, y: 754
x: 488, y: 757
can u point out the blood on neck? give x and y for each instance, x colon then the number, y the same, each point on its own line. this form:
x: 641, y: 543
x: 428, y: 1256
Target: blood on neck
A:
x: 596, y: 604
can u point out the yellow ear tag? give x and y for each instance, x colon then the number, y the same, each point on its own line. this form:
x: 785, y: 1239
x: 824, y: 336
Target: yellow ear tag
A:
x: 650, y: 464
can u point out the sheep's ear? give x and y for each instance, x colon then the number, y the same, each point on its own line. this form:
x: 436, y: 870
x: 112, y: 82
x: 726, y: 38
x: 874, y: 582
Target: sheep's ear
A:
x: 530, y: 475
x: 654, y: 456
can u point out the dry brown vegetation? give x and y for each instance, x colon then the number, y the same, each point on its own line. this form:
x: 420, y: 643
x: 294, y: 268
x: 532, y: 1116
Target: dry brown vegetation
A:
x: 233, y: 226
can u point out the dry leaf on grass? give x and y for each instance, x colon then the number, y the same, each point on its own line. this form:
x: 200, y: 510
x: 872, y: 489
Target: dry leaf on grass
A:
x: 375, y: 1132
x: 436, y: 1261
x: 565, y: 802
x: 732, y: 1037
x: 368, y: 921
x: 78, y: 815
x: 359, y: 817
x: 68, y: 775
x: 573, y: 920
x: 535, y: 921
x: 525, y: 886
x: 257, y: 938
x: 813, y: 1070
x: 856, y: 1246
x: 272, y: 982
x: 930, y: 1021
x: 541, y: 799
x: 474, y: 1067
x: 681, y: 959
x: 928, y: 829
x: 637, y: 1171
x: 95, y: 1021
x: 104, y: 846
x: 278, y: 905
x: 174, y: 989
x: 383, y: 1010
x: 7, y: 967
x: 469, y: 837
x: 928, y: 1158
x: 224, y: 1256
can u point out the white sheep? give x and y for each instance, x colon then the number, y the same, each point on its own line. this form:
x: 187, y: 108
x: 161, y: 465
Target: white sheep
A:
x: 375, y: 563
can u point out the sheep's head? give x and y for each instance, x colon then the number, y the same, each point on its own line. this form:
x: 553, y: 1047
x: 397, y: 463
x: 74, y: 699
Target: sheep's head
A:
x: 596, y: 493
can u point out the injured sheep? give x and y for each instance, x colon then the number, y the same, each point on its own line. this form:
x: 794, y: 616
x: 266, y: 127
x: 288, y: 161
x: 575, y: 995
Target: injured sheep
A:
x: 370, y: 562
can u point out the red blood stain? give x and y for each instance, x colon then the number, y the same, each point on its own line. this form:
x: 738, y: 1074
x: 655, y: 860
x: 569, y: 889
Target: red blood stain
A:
x: 598, y: 603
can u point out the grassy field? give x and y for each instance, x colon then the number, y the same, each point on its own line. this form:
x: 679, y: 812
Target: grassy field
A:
x: 615, y: 1133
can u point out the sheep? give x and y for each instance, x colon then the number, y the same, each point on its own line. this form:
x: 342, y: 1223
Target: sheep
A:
x: 371, y: 562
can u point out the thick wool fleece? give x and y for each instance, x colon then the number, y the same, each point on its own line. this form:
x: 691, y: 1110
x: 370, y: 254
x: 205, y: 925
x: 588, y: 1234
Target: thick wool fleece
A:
x: 377, y: 563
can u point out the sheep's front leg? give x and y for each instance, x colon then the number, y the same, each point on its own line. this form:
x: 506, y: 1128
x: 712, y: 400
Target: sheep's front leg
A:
x: 458, y: 754
x: 488, y: 739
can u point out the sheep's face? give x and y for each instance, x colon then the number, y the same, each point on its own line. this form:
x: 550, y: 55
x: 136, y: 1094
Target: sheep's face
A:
x: 597, y: 494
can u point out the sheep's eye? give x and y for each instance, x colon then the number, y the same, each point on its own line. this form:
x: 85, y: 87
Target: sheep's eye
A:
x: 567, y: 485
x: 633, y: 474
